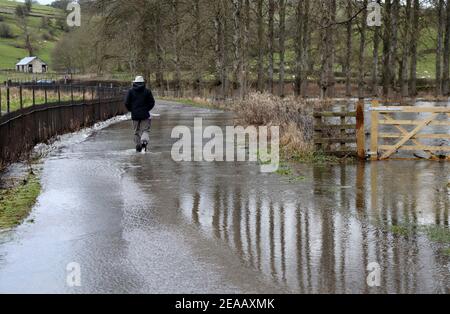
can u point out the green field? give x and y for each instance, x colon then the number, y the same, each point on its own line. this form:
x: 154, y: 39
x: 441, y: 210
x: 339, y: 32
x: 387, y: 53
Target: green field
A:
x: 38, y: 9
x: 44, y: 38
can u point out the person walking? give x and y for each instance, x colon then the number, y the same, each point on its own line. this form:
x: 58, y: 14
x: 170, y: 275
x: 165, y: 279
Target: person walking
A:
x: 140, y: 102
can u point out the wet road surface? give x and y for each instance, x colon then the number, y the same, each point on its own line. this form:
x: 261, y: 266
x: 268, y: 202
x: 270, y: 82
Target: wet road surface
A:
x: 146, y: 224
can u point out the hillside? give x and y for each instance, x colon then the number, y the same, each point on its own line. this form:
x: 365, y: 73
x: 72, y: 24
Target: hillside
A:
x: 45, y: 27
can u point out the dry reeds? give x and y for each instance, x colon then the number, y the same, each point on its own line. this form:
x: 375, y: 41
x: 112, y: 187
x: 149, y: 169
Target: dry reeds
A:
x: 293, y: 116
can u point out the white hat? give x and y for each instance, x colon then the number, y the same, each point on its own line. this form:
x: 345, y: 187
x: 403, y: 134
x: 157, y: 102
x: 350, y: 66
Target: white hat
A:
x: 139, y: 79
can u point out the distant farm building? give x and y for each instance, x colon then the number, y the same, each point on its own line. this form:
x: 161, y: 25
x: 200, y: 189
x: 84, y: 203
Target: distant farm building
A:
x: 32, y: 65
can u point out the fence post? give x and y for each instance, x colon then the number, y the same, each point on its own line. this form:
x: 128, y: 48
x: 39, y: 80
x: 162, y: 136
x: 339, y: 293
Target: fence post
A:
x: 34, y: 95
x: 343, y: 132
x: 59, y: 94
x: 45, y: 94
x: 0, y: 100
x: 374, y: 131
x: 317, y: 126
x: 71, y: 92
x: 21, y: 96
x: 8, y: 100
x: 360, y: 130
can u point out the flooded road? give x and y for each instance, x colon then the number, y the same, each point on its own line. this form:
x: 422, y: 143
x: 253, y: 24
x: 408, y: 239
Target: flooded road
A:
x: 146, y: 224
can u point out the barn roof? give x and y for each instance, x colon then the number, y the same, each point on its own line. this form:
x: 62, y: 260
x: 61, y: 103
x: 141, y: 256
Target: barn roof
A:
x: 27, y: 60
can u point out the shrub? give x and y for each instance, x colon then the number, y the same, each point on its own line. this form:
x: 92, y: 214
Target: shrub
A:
x: 5, y: 31
x: 47, y: 36
x: 293, y: 116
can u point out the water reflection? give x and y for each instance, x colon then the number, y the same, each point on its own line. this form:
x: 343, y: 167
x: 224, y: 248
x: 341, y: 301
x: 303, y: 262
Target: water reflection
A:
x: 316, y: 235
x: 319, y: 236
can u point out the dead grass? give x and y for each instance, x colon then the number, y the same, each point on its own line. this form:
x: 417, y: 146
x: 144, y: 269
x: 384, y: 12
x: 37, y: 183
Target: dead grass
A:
x: 294, y: 117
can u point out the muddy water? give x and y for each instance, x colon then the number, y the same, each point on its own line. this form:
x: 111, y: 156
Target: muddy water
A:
x: 144, y: 223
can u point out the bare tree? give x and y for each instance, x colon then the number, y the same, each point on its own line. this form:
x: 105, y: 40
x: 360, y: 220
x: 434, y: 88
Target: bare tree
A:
x: 349, y: 49
x: 271, y: 42
x: 415, y: 32
x: 387, y: 48
x: 238, y: 45
x: 220, y: 25
x: 362, y: 46
x: 306, y: 43
x: 406, y: 49
x: 375, y: 61
x: 446, y: 62
x: 261, y: 46
x: 282, y: 44
x: 440, y: 33
x: 327, y: 79
x: 197, y: 46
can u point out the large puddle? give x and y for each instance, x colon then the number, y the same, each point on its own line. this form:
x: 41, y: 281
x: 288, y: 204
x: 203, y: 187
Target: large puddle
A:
x: 318, y: 233
x: 241, y: 231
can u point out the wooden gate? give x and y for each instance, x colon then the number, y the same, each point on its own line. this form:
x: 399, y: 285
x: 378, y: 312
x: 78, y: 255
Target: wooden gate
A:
x: 342, y: 137
x: 410, y: 134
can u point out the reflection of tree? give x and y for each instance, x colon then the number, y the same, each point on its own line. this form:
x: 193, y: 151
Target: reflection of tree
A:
x: 333, y: 237
x: 327, y: 259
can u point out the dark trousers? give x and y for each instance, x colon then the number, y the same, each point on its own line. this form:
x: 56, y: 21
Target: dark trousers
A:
x: 142, y: 131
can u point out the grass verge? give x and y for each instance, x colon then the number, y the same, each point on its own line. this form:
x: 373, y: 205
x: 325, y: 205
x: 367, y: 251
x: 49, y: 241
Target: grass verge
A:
x: 16, y: 202
x: 437, y: 234
x: 196, y: 102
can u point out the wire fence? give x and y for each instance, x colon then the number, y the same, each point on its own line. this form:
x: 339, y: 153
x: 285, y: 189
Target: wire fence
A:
x: 33, y: 114
x: 19, y: 96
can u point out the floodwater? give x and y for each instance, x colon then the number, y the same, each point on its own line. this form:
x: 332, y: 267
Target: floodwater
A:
x: 142, y: 223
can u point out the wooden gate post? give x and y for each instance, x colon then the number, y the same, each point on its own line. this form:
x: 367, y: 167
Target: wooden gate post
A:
x: 360, y: 130
x: 374, y: 131
x: 318, y: 132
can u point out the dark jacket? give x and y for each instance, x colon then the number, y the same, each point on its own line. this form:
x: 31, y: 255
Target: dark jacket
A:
x: 139, y: 102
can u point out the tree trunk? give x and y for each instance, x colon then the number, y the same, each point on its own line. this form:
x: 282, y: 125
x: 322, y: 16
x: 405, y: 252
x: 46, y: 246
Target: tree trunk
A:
x: 327, y: 79
x: 246, y: 48
x: 176, y: 48
x: 406, y: 51
x: 159, y: 50
x: 387, y: 48
x: 349, y: 50
x: 271, y: 43
x: 282, y: 4
x: 220, y: 48
x: 238, y: 46
x: 375, y: 61
x: 413, y: 66
x: 306, y: 44
x: 440, y: 33
x: 445, y: 72
x: 143, y: 47
x: 260, y: 23
x: 394, y: 46
x: 362, y: 46
x: 197, y: 84
x: 299, y: 46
